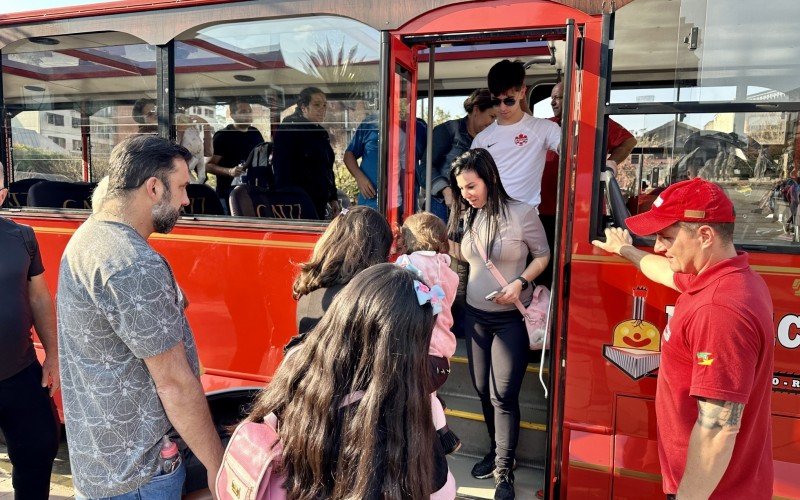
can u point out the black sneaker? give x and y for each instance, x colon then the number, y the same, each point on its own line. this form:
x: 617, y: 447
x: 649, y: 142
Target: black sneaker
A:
x: 485, y: 468
x: 504, y: 481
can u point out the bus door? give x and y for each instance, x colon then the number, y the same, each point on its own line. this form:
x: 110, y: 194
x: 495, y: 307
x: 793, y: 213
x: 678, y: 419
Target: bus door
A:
x: 403, y: 127
x: 542, y: 388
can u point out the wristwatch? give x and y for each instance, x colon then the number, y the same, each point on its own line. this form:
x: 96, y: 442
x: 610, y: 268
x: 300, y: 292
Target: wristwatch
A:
x: 525, y: 282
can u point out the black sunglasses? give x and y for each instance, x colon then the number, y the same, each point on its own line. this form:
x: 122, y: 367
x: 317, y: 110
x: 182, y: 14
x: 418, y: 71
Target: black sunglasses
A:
x: 508, y: 101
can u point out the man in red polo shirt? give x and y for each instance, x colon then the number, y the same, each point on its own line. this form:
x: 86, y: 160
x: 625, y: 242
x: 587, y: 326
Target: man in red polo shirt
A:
x: 714, y: 383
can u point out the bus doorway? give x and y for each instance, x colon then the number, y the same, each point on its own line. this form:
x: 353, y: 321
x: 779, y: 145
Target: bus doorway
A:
x: 448, y: 68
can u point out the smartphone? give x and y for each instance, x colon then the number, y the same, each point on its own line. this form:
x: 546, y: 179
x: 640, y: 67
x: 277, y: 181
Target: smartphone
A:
x: 492, y: 295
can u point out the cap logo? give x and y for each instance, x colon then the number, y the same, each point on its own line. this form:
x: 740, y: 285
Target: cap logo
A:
x: 694, y: 214
x: 658, y: 202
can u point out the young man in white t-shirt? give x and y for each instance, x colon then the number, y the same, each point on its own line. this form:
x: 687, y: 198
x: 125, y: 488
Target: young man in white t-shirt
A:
x: 517, y: 141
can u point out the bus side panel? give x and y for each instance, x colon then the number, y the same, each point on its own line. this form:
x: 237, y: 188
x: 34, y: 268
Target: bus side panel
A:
x: 237, y: 281
x: 637, y: 472
x: 589, y: 466
x: 786, y: 450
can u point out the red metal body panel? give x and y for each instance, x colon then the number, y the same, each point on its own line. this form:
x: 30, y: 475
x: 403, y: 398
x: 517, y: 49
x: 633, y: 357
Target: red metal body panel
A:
x: 238, y: 281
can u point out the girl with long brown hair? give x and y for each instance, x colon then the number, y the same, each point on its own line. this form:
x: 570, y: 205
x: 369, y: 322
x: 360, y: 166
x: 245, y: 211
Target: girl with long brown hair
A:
x: 373, y: 341
x: 354, y: 240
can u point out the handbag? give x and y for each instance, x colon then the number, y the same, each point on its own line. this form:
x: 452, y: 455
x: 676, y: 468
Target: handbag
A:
x: 537, y: 312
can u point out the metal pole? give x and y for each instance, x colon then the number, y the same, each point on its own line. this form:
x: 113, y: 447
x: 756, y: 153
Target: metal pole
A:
x: 429, y: 146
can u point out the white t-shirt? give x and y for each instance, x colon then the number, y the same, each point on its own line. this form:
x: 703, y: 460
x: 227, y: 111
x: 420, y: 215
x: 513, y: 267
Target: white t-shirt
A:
x: 519, y: 150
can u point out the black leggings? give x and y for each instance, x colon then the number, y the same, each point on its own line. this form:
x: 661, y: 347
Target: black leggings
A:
x: 28, y: 421
x: 497, y: 347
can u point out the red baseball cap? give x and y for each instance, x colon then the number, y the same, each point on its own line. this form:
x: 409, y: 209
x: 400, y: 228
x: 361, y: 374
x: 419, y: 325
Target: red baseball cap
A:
x: 695, y: 200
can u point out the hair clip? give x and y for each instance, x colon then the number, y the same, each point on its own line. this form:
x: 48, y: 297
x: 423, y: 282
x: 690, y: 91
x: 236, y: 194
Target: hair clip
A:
x: 429, y: 295
x: 344, y: 211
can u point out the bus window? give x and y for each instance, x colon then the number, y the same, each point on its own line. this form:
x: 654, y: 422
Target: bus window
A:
x: 712, y: 59
x: 70, y: 99
x: 265, y: 65
x: 711, y: 100
x: 753, y: 156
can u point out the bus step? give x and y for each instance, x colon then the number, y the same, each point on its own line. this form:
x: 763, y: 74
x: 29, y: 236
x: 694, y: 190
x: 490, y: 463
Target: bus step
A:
x: 527, y: 480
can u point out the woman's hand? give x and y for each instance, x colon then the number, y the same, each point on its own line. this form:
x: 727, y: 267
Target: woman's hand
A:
x: 509, y: 293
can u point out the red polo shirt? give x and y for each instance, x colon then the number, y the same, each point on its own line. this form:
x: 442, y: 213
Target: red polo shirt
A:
x: 617, y: 134
x: 719, y: 345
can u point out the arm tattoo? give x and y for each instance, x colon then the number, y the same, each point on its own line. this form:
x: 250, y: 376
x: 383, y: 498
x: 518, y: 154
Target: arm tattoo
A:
x: 716, y: 414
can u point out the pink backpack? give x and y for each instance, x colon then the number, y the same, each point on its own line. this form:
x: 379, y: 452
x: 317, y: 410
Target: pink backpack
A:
x: 255, y: 449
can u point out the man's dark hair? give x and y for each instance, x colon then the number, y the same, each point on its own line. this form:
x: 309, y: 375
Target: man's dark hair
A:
x: 140, y: 157
x: 506, y: 75
x: 723, y: 229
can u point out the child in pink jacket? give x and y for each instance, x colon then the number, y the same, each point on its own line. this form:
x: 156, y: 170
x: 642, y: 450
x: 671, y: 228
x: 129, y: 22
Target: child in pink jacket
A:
x: 423, y: 240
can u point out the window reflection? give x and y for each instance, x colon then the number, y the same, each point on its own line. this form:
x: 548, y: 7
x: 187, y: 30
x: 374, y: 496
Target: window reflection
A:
x: 266, y: 64
x: 754, y: 156
x: 728, y: 63
x: 71, y: 100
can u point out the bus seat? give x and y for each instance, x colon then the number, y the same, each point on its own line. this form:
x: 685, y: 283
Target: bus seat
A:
x: 203, y: 200
x: 57, y: 194
x: 18, y: 192
x: 287, y: 203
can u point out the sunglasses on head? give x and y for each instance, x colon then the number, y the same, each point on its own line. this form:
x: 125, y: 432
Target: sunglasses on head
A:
x: 508, y: 101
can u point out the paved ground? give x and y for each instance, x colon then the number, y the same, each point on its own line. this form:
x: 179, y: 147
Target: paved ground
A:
x: 60, y: 481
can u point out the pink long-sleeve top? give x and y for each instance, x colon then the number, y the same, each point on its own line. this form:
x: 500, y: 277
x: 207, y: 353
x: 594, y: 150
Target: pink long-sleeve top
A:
x: 435, y: 268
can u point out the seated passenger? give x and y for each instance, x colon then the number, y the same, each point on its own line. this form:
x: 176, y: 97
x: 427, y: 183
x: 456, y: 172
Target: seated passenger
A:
x: 302, y: 153
x: 232, y: 146
x: 354, y: 240
x: 367, y: 361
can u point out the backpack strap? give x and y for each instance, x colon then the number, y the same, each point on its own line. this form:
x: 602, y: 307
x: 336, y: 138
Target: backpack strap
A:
x: 492, y: 269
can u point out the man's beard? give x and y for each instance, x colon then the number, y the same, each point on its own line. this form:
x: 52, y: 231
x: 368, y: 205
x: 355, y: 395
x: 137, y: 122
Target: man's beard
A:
x: 164, y: 216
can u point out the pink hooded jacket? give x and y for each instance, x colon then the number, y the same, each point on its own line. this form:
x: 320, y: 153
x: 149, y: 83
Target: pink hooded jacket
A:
x: 435, y: 268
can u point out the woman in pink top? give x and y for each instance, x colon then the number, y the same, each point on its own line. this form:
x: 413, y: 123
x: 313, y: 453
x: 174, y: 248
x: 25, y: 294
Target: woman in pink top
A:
x: 423, y: 240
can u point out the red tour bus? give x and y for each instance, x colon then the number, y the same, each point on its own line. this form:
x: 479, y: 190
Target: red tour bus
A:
x: 687, y: 78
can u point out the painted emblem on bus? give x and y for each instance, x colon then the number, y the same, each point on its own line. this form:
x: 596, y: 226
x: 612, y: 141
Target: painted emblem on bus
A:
x: 636, y: 347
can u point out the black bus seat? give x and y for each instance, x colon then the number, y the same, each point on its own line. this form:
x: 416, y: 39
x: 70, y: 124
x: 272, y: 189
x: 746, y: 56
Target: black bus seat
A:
x: 287, y: 203
x: 203, y: 200
x: 18, y: 192
x: 58, y: 194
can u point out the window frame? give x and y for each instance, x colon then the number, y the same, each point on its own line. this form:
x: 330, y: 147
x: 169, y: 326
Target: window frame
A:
x: 678, y: 108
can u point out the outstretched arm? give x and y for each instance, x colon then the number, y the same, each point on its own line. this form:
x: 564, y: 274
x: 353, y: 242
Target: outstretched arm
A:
x: 655, y: 267
x: 710, y: 447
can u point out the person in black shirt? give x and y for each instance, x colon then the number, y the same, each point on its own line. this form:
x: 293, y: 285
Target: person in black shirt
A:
x: 27, y: 414
x: 232, y: 145
x: 303, y: 156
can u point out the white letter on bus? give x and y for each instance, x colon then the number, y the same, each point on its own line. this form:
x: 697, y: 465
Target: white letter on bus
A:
x: 786, y: 340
